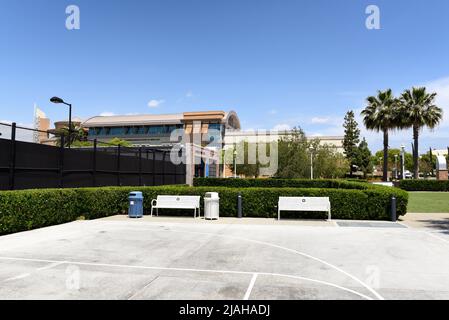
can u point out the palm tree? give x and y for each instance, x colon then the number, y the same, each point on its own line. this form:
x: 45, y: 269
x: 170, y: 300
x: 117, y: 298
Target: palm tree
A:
x: 418, y: 110
x: 77, y: 134
x: 381, y: 114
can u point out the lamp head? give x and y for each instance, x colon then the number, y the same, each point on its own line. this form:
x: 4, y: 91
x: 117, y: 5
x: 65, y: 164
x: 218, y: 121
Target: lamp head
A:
x: 56, y: 100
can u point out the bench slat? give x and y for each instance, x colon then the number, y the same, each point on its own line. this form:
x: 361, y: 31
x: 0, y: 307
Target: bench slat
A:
x: 304, y: 204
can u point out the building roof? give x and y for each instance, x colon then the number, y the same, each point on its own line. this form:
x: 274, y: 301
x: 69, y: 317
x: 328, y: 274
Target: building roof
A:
x: 101, y: 121
x: 229, y: 118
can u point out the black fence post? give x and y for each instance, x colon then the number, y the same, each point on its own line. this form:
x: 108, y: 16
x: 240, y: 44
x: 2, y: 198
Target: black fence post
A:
x: 393, y: 209
x: 61, y: 163
x: 163, y: 168
x: 118, y: 164
x: 154, y: 167
x: 140, y: 166
x: 239, y: 206
x: 94, y: 165
x: 12, y: 159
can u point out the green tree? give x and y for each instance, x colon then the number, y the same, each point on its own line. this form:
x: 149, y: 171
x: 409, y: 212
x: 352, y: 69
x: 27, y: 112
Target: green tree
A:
x: 427, y: 164
x: 363, y: 158
x: 391, y: 159
x: 119, y: 142
x: 351, y: 140
x: 247, y: 169
x: 418, y: 110
x: 381, y: 115
x: 294, y: 158
x: 77, y: 135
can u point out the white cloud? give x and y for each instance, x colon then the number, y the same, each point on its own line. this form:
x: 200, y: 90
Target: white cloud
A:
x: 189, y: 94
x: 282, y: 127
x: 273, y: 112
x: 107, y: 114
x: 441, y: 87
x: 155, y: 103
x: 320, y: 120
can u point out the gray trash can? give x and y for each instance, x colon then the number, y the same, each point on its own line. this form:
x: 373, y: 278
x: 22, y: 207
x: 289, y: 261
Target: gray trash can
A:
x: 211, y: 206
x: 135, y: 204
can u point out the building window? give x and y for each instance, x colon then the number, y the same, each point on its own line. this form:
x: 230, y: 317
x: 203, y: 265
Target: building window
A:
x: 116, y: 131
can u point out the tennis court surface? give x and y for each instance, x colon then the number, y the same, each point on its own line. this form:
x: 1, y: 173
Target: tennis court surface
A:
x: 183, y: 258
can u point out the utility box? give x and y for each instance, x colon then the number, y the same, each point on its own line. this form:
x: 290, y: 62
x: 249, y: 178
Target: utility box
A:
x: 211, y: 206
x: 135, y: 205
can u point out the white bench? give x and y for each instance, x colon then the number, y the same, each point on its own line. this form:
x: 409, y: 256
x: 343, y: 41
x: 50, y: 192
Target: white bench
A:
x: 304, y: 204
x: 176, y: 202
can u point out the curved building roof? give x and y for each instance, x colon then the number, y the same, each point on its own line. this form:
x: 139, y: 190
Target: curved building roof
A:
x: 229, y: 118
x: 129, y: 120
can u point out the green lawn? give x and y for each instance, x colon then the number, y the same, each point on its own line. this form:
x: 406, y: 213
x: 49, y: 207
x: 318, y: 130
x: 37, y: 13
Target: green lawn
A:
x: 428, y: 202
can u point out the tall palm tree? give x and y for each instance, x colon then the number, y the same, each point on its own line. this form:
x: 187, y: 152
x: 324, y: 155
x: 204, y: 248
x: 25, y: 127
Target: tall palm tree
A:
x: 381, y: 114
x: 418, y: 110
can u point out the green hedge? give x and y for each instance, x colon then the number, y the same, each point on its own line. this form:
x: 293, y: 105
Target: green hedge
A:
x: 30, y: 209
x: 424, y: 185
x: 280, y: 183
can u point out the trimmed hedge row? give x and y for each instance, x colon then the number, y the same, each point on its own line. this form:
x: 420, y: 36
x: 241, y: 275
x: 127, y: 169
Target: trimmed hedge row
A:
x: 280, y: 183
x: 424, y: 185
x: 30, y: 209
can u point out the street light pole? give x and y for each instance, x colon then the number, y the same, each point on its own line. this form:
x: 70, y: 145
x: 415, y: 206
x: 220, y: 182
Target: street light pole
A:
x: 235, y: 163
x: 402, y: 161
x: 311, y: 163
x: 396, y: 166
x: 58, y: 101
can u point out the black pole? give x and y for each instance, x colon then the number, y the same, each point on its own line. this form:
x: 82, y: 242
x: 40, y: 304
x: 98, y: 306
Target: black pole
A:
x: 239, y: 206
x: 61, y: 162
x: 393, y: 209
x: 140, y: 166
x: 118, y: 165
x: 12, y: 159
x: 163, y: 168
x: 94, y: 165
x: 154, y: 167
x: 70, y: 124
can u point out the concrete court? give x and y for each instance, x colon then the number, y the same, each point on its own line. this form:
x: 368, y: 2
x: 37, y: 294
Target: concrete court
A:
x: 184, y: 258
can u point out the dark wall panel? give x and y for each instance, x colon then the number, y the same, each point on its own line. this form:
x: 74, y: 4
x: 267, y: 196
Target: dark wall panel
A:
x: 39, y: 166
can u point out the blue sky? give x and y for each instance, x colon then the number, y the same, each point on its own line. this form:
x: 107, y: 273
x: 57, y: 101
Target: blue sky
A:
x: 277, y: 63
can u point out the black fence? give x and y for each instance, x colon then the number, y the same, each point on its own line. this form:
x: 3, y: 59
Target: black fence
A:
x: 27, y: 165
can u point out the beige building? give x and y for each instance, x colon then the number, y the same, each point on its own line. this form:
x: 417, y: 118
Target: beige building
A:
x: 203, y: 134
x: 268, y: 136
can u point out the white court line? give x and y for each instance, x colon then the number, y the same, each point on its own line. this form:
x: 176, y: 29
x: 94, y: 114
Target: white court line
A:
x: 20, y: 276
x: 25, y: 275
x: 374, y: 292
x: 52, y: 265
x: 435, y: 236
x: 432, y: 234
x: 250, y: 287
x: 189, y: 270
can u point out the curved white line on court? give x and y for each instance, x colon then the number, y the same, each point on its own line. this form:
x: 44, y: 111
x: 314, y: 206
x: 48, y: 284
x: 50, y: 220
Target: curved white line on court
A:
x: 435, y: 236
x: 375, y: 293
x: 188, y: 270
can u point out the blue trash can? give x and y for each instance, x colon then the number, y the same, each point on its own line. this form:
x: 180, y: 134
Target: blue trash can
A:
x: 135, y: 204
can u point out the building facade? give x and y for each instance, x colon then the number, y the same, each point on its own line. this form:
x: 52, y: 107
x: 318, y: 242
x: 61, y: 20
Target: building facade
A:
x: 202, y: 135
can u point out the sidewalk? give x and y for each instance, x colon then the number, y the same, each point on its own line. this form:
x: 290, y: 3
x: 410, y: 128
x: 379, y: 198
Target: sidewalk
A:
x: 438, y: 221
x: 228, y: 220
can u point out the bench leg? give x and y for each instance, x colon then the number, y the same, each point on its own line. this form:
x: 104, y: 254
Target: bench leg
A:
x: 329, y: 216
x: 151, y: 212
x: 199, y: 212
x: 279, y: 214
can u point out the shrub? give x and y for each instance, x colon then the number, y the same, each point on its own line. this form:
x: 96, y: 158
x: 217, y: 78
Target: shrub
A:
x: 30, y: 209
x: 281, y: 183
x: 424, y: 185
